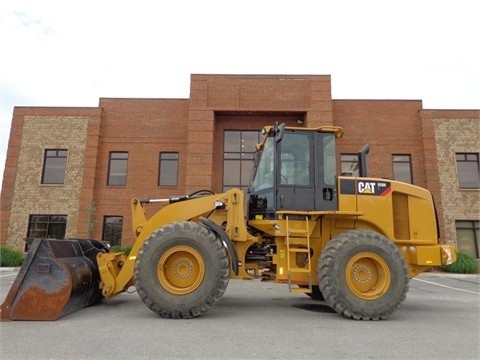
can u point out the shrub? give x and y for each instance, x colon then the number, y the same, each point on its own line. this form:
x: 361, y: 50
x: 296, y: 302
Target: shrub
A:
x: 126, y: 249
x: 465, y: 264
x: 10, y: 258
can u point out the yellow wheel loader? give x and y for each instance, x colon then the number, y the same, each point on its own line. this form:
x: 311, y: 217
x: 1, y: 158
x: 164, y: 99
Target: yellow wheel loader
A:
x: 353, y: 242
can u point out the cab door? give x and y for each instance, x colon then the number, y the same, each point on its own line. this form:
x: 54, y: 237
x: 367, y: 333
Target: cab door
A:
x: 325, y: 172
x: 295, y: 171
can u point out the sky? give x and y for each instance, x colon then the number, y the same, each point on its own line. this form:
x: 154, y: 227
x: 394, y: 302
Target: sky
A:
x: 72, y: 53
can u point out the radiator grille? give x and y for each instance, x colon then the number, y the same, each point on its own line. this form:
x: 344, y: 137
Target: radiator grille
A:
x: 401, y: 221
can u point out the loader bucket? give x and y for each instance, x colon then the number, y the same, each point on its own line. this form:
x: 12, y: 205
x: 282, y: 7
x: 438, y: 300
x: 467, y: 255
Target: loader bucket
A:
x: 57, y: 278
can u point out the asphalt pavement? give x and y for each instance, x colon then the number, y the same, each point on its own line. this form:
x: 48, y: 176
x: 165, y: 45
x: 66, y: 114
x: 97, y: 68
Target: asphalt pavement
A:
x: 440, y: 319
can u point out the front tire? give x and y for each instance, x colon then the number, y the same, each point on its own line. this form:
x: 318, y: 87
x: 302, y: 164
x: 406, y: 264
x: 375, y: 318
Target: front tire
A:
x: 363, y: 275
x: 182, y: 270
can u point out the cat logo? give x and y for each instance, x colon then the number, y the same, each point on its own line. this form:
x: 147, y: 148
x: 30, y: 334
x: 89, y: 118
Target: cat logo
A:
x: 366, y: 187
x: 378, y: 188
x: 375, y: 188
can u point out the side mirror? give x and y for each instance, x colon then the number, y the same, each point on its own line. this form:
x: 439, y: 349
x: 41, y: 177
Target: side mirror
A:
x: 279, y: 130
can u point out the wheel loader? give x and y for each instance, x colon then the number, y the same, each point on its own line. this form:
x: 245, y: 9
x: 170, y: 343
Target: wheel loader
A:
x: 353, y: 242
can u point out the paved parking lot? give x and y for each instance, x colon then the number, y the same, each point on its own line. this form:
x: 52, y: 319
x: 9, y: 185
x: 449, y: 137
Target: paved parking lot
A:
x: 255, y: 320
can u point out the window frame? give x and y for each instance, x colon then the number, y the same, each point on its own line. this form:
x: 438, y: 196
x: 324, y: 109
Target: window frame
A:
x: 164, y: 163
x: 49, y: 221
x: 111, y: 161
x: 49, y: 168
x: 462, y: 184
x: 398, y: 162
x: 238, y: 157
x: 356, y: 172
x: 106, y: 227
x: 474, y: 226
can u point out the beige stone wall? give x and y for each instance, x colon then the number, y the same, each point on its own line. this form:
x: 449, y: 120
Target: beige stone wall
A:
x: 453, y: 136
x: 32, y: 197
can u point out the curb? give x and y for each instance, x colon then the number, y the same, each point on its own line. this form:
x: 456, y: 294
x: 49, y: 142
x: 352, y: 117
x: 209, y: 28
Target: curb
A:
x: 449, y: 275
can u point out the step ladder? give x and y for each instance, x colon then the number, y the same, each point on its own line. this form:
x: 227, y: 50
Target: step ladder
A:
x: 304, y: 234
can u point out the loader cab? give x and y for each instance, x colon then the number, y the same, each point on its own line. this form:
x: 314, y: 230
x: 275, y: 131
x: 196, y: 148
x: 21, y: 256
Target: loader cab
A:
x: 294, y: 169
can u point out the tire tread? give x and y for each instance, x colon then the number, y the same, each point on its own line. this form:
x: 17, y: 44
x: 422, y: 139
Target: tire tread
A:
x: 169, y: 309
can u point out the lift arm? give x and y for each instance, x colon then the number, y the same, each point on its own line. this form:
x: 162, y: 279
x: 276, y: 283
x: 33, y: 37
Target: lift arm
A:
x: 117, y: 269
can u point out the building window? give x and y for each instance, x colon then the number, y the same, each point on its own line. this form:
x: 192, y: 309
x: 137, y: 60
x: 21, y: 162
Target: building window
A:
x: 468, y: 237
x: 402, y: 168
x: 168, y: 169
x: 47, y: 226
x: 238, y: 151
x: 349, y: 163
x: 117, y: 168
x: 468, y: 170
x: 112, y: 229
x: 54, y: 166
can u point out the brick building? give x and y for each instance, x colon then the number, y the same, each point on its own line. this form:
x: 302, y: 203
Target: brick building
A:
x: 71, y: 172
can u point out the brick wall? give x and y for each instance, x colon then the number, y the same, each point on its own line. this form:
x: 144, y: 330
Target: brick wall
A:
x: 194, y: 128
x: 143, y: 128
x: 388, y: 126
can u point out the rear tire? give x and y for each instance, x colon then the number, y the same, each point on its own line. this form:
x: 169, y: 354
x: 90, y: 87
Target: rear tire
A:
x: 181, y: 270
x: 363, y: 275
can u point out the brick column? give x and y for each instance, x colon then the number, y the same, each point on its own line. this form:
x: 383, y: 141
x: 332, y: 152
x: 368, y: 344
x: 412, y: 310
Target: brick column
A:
x: 321, y: 105
x: 432, y: 179
x: 86, y: 211
x: 10, y: 173
x: 200, y: 135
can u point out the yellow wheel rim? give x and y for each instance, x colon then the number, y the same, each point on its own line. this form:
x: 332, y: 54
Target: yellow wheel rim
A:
x: 368, y: 276
x: 181, y: 270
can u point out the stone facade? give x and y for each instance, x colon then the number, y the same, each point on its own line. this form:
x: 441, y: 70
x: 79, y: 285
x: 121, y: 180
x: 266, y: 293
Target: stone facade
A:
x: 32, y: 197
x: 454, y: 136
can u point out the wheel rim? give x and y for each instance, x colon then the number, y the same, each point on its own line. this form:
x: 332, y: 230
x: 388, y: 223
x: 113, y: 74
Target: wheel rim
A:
x: 368, y: 275
x: 181, y: 270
